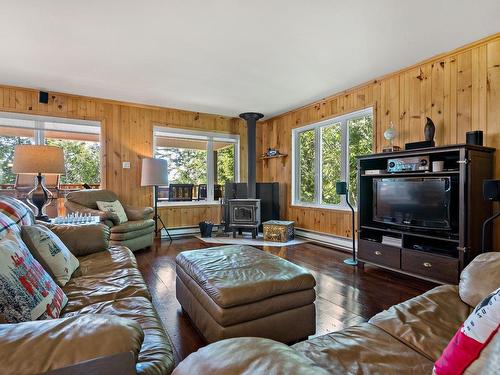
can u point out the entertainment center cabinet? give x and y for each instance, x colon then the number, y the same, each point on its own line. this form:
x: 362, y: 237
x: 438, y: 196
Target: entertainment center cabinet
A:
x: 424, y: 223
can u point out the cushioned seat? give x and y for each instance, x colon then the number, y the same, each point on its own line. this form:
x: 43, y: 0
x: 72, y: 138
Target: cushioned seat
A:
x: 116, y: 258
x: 363, y: 349
x: 245, y: 312
x: 156, y: 355
x: 235, y: 275
x: 233, y: 291
x: 420, y: 323
x: 131, y: 226
x: 108, y: 285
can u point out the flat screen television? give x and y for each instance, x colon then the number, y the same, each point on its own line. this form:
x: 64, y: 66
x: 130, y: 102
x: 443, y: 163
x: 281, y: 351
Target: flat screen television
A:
x: 419, y: 202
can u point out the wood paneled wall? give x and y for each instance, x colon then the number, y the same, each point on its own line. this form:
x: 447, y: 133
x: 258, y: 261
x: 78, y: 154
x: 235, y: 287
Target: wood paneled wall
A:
x: 127, y: 135
x: 459, y: 90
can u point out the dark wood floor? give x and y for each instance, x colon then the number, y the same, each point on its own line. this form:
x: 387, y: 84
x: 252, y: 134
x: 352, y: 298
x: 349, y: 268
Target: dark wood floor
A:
x: 345, y: 295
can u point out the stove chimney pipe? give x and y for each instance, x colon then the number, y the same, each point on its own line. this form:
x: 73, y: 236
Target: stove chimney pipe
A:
x: 251, y: 119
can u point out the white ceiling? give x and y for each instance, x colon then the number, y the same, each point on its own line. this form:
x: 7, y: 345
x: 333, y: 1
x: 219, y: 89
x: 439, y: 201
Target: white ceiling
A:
x: 226, y: 56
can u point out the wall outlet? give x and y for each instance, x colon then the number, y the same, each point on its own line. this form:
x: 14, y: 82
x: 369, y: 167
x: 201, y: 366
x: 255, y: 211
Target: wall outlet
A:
x: 126, y: 165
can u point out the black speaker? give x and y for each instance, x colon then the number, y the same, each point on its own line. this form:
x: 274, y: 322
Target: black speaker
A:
x: 43, y: 97
x: 341, y: 187
x: 491, y: 190
x: 474, y: 137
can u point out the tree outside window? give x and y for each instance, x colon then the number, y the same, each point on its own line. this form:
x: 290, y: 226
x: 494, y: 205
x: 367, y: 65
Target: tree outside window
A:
x: 326, y: 153
x: 7, y: 145
x: 79, y: 140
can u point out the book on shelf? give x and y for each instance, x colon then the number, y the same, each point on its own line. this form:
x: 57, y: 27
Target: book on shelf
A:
x: 392, y: 241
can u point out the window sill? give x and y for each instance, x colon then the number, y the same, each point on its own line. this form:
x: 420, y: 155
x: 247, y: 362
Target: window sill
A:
x: 187, y: 204
x: 340, y: 208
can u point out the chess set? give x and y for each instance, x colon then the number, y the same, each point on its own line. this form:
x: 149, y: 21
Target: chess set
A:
x: 76, y: 218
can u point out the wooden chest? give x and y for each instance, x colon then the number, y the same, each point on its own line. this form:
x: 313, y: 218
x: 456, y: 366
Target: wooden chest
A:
x: 278, y: 231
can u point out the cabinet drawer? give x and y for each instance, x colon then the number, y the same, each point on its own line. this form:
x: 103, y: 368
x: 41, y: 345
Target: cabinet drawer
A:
x: 433, y: 266
x: 379, y: 254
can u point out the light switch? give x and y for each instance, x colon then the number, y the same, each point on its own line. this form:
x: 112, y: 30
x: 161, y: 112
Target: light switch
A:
x: 126, y: 165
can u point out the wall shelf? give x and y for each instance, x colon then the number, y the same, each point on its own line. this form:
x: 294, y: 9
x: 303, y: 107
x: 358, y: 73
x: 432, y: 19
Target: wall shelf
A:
x: 273, y: 157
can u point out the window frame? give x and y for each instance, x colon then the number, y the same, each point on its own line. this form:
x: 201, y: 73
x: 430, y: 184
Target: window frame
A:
x: 38, y: 129
x: 344, y: 172
x: 210, y: 138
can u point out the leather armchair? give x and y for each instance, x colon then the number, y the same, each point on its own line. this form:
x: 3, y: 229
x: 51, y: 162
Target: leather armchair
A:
x: 137, y: 233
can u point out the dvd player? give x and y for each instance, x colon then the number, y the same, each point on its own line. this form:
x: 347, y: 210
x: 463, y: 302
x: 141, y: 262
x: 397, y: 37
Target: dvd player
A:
x: 410, y: 164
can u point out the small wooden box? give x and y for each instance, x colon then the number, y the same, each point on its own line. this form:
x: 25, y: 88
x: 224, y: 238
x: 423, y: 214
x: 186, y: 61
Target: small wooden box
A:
x: 278, y: 231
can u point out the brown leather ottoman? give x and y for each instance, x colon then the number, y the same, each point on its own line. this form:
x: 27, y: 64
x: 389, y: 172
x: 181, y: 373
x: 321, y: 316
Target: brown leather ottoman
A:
x: 233, y: 291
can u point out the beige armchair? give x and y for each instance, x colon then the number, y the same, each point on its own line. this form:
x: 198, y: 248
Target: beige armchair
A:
x: 137, y: 233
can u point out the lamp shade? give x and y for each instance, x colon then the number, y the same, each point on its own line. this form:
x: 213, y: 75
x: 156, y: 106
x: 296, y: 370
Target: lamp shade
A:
x: 35, y: 159
x: 154, y: 172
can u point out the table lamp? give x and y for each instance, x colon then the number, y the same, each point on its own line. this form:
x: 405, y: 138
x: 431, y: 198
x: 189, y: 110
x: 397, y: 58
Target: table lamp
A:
x: 155, y: 173
x: 38, y: 160
x: 341, y: 189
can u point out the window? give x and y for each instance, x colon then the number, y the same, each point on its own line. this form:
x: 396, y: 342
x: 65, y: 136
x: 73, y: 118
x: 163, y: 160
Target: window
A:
x: 199, y: 163
x: 79, y: 139
x: 325, y: 153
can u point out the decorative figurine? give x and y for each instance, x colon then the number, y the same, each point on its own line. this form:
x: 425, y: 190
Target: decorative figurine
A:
x: 272, y: 152
x: 389, y: 135
x: 429, y: 130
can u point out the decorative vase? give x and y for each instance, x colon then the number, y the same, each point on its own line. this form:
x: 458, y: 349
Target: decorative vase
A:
x: 429, y: 130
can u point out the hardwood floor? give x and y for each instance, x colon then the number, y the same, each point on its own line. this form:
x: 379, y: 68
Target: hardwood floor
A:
x: 345, y: 295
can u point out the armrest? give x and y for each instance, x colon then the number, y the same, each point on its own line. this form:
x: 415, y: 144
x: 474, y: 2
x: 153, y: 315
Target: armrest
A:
x: 82, y: 239
x: 43, y: 345
x: 248, y: 356
x: 116, y: 364
x: 106, y: 216
x: 138, y: 213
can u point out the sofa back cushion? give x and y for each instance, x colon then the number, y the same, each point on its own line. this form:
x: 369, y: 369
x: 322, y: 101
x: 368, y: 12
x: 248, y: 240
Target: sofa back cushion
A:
x: 27, y: 292
x: 50, y: 252
x: 18, y: 211
x: 89, y: 197
x: 480, y: 278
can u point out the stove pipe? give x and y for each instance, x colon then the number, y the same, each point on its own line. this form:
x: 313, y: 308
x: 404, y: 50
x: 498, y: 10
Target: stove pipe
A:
x: 251, y: 119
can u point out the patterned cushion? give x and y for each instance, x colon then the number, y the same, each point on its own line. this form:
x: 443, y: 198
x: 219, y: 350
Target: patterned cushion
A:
x: 50, y: 251
x: 16, y: 210
x: 464, y: 351
x: 7, y: 225
x: 114, y: 207
x: 26, y: 291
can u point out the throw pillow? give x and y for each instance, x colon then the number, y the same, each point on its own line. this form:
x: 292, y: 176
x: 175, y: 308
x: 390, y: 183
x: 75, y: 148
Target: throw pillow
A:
x: 7, y: 225
x: 473, y: 336
x: 18, y: 211
x: 50, y: 252
x: 114, y: 207
x: 27, y: 292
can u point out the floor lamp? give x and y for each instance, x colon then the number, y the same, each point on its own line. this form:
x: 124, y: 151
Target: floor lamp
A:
x: 341, y: 188
x: 38, y: 160
x: 155, y: 173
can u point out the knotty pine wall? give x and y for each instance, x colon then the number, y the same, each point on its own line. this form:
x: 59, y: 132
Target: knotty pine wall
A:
x: 459, y: 90
x: 127, y: 135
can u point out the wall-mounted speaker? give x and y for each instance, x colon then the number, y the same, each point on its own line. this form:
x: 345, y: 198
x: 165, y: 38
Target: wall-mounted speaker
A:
x: 341, y: 187
x: 43, y: 97
x: 474, y: 137
x: 491, y: 190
